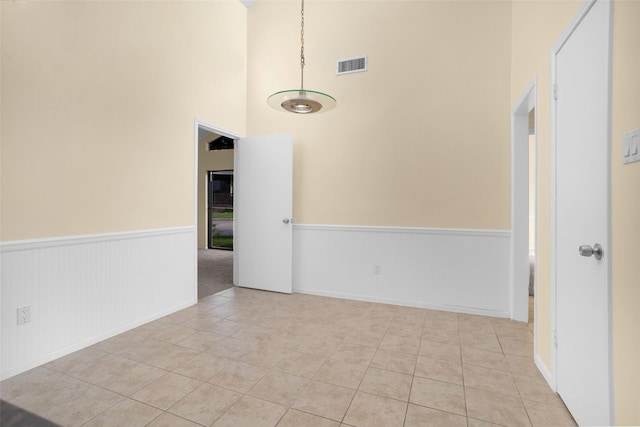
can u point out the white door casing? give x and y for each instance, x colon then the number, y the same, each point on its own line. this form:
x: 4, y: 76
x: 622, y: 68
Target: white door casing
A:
x: 263, y: 212
x: 519, y: 280
x: 580, y: 215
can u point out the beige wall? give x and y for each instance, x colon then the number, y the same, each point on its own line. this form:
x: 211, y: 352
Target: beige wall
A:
x: 625, y: 210
x: 208, y: 161
x: 536, y: 27
x: 99, y: 100
x: 415, y: 141
x: 98, y: 106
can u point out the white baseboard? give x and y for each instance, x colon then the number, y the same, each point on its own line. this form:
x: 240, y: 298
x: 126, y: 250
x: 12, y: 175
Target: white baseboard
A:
x: 446, y: 269
x: 84, y: 289
x: 546, y: 373
x: 86, y: 343
x: 451, y: 308
x: 87, y: 288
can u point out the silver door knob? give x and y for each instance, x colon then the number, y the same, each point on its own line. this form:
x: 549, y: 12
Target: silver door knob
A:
x: 596, y: 251
x: 286, y: 220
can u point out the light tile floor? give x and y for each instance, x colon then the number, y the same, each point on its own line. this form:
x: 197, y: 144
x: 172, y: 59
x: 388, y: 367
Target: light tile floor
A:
x: 253, y: 358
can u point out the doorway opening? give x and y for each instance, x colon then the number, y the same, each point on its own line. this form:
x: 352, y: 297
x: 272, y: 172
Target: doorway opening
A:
x: 215, y: 165
x: 523, y: 208
x: 532, y: 216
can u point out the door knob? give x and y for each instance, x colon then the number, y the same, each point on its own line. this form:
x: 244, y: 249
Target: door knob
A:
x: 286, y: 220
x: 596, y: 251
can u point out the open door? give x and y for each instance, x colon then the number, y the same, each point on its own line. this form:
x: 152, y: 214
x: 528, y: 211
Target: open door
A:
x: 581, y: 117
x: 263, y: 212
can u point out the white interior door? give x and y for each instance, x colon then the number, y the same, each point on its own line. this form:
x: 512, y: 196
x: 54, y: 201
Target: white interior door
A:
x: 263, y: 213
x: 582, y: 64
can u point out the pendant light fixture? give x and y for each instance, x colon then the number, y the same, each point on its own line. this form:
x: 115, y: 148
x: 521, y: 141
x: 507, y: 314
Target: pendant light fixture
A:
x: 301, y: 101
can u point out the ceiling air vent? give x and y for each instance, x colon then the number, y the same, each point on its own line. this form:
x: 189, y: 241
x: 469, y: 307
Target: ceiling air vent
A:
x: 352, y: 65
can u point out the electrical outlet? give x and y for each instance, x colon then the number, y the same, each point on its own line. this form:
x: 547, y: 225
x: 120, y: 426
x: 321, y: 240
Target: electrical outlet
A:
x: 377, y: 269
x: 24, y: 315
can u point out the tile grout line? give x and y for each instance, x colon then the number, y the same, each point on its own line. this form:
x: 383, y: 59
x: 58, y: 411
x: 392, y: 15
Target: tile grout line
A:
x: 464, y: 387
x: 365, y: 374
x: 250, y: 306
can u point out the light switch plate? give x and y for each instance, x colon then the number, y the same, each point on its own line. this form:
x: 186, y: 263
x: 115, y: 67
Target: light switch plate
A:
x: 631, y: 146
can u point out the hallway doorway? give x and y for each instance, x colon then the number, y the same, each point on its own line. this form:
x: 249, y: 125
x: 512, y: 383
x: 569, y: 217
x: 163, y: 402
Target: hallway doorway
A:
x: 215, y: 165
x: 523, y: 206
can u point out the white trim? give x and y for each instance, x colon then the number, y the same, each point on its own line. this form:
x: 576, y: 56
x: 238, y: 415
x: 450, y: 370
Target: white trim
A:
x: 409, y: 230
x: 405, y: 303
x: 460, y: 270
x: 55, y: 242
x: 553, y: 221
x: 520, y: 203
x: 576, y: 20
x: 196, y: 150
x: 548, y: 376
x: 612, y: 401
x: 88, y: 342
x: 527, y: 101
x: 83, y: 289
x: 217, y: 130
x: 236, y: 229
x: 569, y: 29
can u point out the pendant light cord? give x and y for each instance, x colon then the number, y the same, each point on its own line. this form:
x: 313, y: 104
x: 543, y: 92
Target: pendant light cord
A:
x: 300, y: 101
x: 302, y: 47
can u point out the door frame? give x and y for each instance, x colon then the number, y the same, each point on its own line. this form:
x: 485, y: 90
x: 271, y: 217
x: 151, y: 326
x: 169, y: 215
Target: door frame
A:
x: 229, y: 134
x: 520, y: 204
x: 575, y: 22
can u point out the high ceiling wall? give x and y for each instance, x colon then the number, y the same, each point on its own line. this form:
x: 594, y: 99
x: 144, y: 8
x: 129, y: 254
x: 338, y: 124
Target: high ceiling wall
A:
x: 419, y: 138
x: 98, y: 106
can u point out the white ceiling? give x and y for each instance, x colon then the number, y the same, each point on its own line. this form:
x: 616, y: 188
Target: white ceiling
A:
x: 247, y: 3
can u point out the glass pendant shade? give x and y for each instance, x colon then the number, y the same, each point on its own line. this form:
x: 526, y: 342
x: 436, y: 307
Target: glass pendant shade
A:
x: 301, y: 101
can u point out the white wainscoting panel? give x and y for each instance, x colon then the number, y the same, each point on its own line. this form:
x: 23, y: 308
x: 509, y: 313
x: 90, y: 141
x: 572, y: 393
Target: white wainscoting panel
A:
x: 84, y: 289
x: 447, y: 269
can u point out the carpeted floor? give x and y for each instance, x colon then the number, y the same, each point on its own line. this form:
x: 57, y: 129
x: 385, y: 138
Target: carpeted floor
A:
x: 215, y: 271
